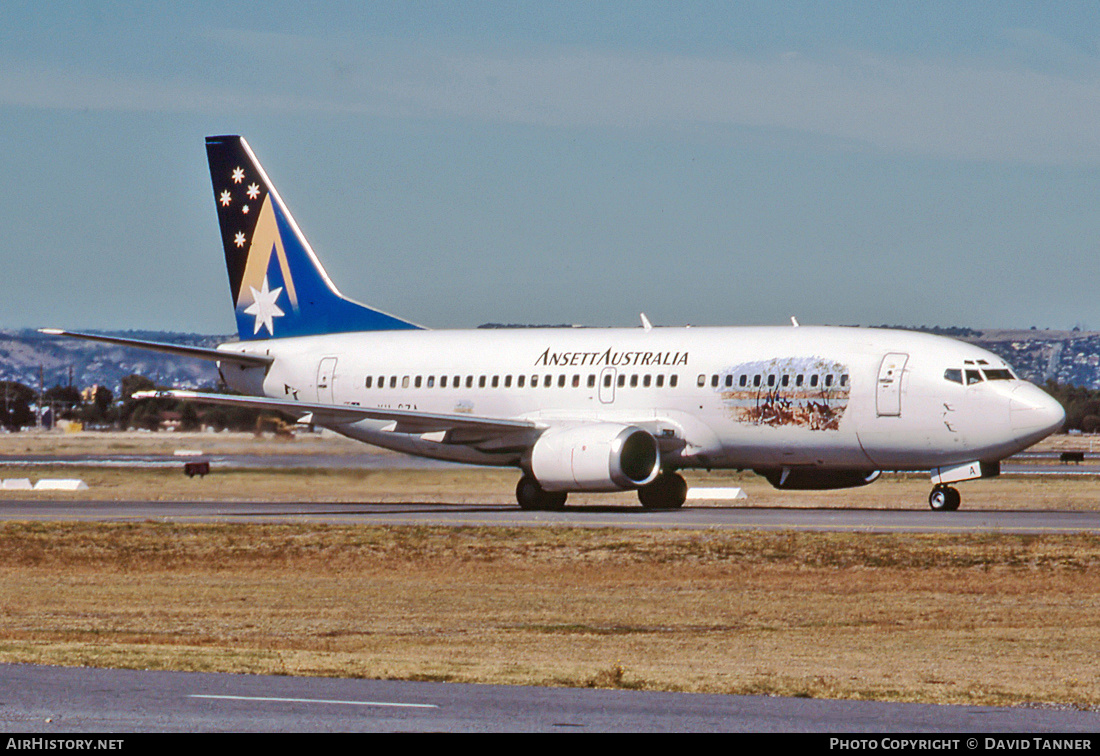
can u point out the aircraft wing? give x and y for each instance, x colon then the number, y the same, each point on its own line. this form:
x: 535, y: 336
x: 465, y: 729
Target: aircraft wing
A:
x: 202, y: 353
x: 455, y: 429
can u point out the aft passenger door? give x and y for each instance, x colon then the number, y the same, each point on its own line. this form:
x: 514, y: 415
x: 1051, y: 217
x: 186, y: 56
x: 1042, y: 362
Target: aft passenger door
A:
x: 888, y: 390
x: 326, y: 375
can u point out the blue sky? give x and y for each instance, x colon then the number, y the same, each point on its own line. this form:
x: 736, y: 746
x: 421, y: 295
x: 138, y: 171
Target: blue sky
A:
x: 462, y: 163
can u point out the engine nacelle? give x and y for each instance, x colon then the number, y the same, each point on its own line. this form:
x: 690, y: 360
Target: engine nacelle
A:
x: 810, y: 479
x: 595, y: 457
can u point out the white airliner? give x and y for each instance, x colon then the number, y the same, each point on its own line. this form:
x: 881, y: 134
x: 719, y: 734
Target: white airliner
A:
x: 599, y: 409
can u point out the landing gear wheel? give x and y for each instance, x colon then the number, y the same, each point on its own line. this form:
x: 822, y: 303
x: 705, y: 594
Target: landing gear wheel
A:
x: 533, y: 498
x: 668, y: 491
x: 944, y: 499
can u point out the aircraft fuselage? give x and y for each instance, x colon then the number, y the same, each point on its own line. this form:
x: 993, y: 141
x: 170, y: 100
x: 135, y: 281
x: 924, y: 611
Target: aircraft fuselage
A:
x: 715, y: 397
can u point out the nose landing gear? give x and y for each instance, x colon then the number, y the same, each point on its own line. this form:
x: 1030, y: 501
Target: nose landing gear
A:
x: 944, y: 499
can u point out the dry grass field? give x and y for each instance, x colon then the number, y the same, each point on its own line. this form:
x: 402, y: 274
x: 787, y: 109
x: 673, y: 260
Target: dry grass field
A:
x: 992, y: 619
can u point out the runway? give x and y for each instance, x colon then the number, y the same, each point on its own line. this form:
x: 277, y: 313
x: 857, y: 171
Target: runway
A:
x: 465, y: 515
x: 40, y: 699
x: 48, y: 699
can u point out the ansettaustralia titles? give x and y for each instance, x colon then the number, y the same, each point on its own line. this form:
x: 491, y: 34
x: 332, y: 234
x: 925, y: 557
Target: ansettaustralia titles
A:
x: 613, y: 358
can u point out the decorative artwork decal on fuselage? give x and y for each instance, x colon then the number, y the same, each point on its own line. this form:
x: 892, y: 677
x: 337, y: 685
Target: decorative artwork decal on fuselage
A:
x: 804, y: 392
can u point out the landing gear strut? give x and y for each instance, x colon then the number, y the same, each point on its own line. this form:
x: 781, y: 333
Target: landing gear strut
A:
x: 944, y: 499
x: 532, y: 497
x: 668, y: 491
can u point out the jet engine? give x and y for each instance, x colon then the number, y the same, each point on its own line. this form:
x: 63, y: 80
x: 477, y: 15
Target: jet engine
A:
x: 815, y: 479
x: 595, y: 457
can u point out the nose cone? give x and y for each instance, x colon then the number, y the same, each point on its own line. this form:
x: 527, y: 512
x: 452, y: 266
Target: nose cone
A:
x: 1034, y: 414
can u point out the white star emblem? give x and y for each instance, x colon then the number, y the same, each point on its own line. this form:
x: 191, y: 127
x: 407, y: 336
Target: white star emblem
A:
x: 226, y: 198
x: 264, y: 309
x: 238, y: 175
x: 239, y: 239
x: 253, y: 191
x: 244, y: 209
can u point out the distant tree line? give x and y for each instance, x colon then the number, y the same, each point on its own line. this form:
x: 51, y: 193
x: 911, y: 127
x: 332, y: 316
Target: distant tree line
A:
x: 1082, y: 406
x: 958, y: 332
x: 103, y: 411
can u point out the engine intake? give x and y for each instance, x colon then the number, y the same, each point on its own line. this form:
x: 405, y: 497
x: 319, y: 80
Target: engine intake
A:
x: 595, y: 457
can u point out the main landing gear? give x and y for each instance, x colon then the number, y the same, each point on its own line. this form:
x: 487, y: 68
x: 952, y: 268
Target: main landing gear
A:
x: 944, y: 498
x: 667, y: 491
x: 532, y: 497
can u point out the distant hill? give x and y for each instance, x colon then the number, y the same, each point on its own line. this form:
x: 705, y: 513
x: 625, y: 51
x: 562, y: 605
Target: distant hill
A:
x: 1070, y: 358
x: 24, y: 352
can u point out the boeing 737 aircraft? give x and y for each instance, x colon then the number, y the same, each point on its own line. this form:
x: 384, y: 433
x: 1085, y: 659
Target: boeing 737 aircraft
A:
x: 599, y: 409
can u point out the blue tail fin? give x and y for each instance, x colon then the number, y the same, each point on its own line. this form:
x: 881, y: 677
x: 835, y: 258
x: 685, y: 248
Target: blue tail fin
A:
x: 279, y: 287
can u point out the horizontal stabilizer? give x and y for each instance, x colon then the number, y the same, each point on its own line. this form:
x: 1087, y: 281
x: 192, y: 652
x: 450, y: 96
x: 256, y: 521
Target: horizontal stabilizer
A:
x: 182, y: 350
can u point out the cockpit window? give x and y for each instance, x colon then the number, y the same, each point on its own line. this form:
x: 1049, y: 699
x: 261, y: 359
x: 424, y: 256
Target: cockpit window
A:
x: 998, y: 375
x: 953, y: 374
x: 972, y: 377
